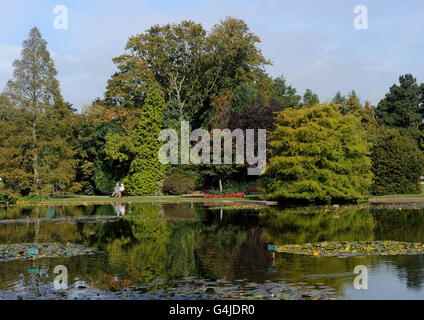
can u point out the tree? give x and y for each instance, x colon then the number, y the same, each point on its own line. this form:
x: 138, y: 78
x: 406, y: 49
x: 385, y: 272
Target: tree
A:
x: 397, y: 163
x: 15, y: 148
x: 338, y: 98
x: 366, y: 113
x: 96, y: 172
x: 191, y: 65
x: 402, y: 107
x: 286, y: 94
x: 41, y: 115
x: 310, y: 98
x: 318, y: 155
x: 145, y: 171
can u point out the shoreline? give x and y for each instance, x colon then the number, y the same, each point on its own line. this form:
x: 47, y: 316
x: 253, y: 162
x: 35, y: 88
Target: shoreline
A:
x: 100, y: 200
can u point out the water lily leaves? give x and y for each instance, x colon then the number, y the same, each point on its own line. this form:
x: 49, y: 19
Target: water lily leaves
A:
x: 351, y: 248
x: 19, y: 251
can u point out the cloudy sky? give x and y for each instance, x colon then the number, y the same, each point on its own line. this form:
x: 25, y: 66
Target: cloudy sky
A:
x: 312, y: 42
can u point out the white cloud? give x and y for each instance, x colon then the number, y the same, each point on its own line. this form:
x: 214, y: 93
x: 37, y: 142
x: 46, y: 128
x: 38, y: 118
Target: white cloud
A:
x: 313, y: 43
x: 7, y: 55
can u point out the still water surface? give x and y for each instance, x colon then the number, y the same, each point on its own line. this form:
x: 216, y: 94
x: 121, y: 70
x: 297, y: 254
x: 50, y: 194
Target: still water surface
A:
x: 166, y: 251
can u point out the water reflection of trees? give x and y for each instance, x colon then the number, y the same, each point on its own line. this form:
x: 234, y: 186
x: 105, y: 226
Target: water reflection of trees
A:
x: 406, y: 225
x: 155, y: 241
x: 411, y: 269
x: 316, y: 225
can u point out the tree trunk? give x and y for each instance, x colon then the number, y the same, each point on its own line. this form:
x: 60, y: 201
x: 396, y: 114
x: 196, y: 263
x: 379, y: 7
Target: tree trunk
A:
x: 220, y: 185
x: 35, y: 160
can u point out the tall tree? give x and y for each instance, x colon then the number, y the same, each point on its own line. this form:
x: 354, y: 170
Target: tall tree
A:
x: 34, y: 92
x: 403, y: 107
x: 141, y: 146
x: 191, y: 65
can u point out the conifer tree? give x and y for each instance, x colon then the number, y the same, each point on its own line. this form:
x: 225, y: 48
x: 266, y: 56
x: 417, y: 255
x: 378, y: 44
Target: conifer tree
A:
x: 146, y: 171
x: 41, y: 117
x: 318, y: 155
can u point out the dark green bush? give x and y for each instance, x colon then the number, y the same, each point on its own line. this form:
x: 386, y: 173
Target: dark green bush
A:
x: 104, y: 182
x: 177, y: 183
x: 397, y: 164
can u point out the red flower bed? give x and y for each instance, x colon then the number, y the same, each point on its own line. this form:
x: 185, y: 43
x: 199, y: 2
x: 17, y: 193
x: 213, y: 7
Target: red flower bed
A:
x: 227, y: 195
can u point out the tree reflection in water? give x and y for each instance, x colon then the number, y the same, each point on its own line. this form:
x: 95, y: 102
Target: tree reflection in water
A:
x: 170, y: 242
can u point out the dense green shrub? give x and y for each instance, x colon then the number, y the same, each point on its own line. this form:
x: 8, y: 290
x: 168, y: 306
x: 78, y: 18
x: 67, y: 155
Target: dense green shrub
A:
x: 217, y: 192
x: 104, y: 182
x: 318, y: 155
x: 234, y: 186
x: 188, y: 171
x: 397, y: 163
x: 177, y: 183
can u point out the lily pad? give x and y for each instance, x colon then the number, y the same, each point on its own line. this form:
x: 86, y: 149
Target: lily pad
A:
x: 22, y: 251
x: 353, y: 248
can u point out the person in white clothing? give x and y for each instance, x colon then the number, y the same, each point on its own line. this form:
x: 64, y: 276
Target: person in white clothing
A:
x: 121, y: 189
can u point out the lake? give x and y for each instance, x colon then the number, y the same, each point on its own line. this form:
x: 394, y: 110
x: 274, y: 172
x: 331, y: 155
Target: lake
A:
x: 198, y: 251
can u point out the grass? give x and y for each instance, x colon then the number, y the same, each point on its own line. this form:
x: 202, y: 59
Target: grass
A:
x: 85, y: 200
x: 397, y: 198
x: 412, y: 195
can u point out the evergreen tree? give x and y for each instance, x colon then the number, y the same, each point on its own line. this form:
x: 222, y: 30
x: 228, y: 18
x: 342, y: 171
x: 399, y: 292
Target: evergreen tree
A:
x: 403, y: 108
x: 397, y: 163
x: 365, y: 113
x: 286, y: 94
x: 146, y: 171
x: 310, y: 98
x: 338, y: 98
x: 351, y: 105
x: 42, y: 118
x: 318, y: 155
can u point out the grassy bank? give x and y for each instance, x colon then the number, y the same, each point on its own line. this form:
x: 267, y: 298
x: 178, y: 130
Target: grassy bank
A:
x: 90, y: 200
x: 398, y: 198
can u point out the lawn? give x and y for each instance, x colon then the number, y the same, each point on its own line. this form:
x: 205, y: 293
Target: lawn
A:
x: 85, y: 200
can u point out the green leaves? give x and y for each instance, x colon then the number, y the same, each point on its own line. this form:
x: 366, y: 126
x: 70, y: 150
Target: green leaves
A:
x: 318, y: 155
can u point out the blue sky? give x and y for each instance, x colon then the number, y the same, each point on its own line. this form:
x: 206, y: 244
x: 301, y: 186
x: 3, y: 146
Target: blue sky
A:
x: 312, y: 42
